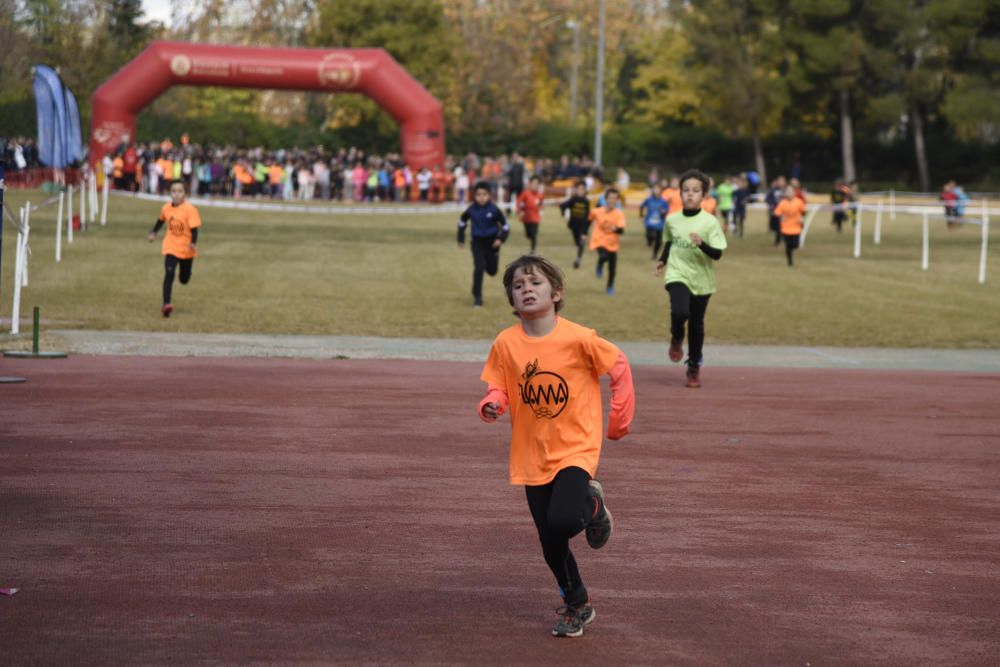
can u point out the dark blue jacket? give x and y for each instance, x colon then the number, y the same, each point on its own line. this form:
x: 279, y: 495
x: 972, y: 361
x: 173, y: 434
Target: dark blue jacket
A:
x: 487, y: 222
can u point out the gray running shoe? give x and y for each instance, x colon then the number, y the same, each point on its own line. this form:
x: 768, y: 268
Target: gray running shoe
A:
x: 572, y: 620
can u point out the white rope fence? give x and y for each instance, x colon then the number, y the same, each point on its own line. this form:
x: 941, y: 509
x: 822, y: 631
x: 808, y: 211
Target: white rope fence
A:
x: 925, y: 212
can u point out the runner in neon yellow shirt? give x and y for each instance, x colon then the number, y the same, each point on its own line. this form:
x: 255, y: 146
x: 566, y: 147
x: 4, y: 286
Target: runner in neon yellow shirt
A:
x: 725, y: 192
x: 694, y: 242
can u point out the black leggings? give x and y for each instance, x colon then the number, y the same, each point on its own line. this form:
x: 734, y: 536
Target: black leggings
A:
x: 561, y: 510
x: 579, y: 232
x: 485, y: 258
x: 531, y: 231
x: 170, y: 263
x: 775, y: 224
x: 689, y: 308
x: 605, y: 256
x: 654, y: 240
x: 791, y: 244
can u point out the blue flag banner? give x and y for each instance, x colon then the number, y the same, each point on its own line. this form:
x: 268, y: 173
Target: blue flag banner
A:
x: 59, y: 140
x: 74, y: 146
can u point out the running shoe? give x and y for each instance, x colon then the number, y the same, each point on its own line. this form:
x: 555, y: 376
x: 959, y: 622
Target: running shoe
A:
x: 693, y: 380
x: 600, y: 526
x: 167, y: 309
x: 572, y: 620
x: 676, y: 350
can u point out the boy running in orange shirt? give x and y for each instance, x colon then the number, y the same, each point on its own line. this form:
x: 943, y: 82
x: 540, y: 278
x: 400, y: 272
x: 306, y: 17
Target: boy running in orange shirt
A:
x: 790, y: 210
x: 180, y: 241
x: 529, y: 210
x: 609, y: 225
x: 547, y: 369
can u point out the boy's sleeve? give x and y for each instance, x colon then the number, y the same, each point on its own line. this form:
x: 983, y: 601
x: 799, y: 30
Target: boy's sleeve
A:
x: 493, y: 373
x: 503, y: 227
x: 494, y: 395
x: 716, y: 237
x: 195, y: 220
x: 612, y: 361
x: 622, y: 399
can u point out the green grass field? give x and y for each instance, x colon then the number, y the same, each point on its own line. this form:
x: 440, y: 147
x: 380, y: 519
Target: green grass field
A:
x: 402, y: 275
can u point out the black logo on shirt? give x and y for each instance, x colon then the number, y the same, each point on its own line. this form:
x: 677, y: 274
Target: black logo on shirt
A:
x: 546, y: 393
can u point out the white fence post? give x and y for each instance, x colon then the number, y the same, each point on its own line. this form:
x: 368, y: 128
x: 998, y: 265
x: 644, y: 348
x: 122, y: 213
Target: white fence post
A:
x: 805, y: 227
x: 986, y: 240
x: 15, y: 316
x: 878, y: 222
x: 857, y: 231
x: 925, y: 260
x: 892, y: 205
x: 104, y: 203
x: 92, y: 191
x: 62, y: 195
x: 69, y: 214
x: 83, y: 202
x: 26, y: 226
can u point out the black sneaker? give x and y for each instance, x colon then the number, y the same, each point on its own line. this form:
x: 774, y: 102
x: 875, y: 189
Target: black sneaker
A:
x: 599, y: 529
x: 572, y: 620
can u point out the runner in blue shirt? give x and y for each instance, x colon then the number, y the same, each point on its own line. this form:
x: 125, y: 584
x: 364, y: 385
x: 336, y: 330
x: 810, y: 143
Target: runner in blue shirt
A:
x: 654, y: 212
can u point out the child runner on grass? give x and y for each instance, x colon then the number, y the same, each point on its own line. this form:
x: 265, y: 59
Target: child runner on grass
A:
x: 529, y: 209
x: 654, y: 213
x: 694, y: 241
x: 546, y: 370
x: 578, y: 207
x: 790, y: 210
x: 489, y: 231
x: 179, y: 242
x: 609, y: 225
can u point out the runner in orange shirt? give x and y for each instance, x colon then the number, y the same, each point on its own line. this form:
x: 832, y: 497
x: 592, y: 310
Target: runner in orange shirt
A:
x: 547, y: 369
x: 790, y: 209
x: 179, y: 242
x: 672, y: 195
x: 605, y: 236
x: 529, y: 209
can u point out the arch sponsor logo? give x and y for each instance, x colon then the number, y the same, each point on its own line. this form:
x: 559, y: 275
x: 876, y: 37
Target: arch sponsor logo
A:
x: 339, y: 70
x: 180, y: 65
x: 545, y: 392
x: 110, y: 132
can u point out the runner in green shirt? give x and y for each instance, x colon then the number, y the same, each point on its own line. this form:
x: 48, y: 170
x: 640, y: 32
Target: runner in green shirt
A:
x: 725, y: 192
x: 694, y: 242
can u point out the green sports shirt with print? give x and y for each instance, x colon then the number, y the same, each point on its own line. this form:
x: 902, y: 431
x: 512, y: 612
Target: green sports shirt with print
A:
x: 687, y: 263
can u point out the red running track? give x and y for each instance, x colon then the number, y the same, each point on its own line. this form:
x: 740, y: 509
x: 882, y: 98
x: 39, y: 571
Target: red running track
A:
x: 186, y: 510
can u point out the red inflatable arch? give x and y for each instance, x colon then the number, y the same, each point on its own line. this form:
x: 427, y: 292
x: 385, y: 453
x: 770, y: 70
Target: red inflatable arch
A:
x: 370, y: 71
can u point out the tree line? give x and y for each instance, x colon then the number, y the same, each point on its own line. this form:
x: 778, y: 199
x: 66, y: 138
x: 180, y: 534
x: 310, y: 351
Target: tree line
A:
x: 730, y: 81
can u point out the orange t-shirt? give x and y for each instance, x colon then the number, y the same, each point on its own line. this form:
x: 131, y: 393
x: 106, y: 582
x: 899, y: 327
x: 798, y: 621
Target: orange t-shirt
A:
x: 529, y: 205
x: 673, y: 198
x: 709, y: 205
x: 274, y: 174
x: 790, y: 211
x: 602, y: 234
x: 180, y: 220
x: 553, y: 386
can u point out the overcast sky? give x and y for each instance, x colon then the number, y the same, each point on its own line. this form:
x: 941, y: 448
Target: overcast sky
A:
x: 157, y: 10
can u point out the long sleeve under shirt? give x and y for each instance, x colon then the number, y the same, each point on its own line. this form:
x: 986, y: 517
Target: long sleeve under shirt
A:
x: 487, y: 222
x: 714, y: 253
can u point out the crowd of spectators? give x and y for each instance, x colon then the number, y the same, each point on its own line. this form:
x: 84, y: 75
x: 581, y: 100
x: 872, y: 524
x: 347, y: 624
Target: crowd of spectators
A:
x: 345, y: 174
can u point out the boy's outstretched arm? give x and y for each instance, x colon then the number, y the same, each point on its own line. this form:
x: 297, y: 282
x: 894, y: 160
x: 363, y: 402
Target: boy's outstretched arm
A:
x: 622, y: 398
x: 493, y: 405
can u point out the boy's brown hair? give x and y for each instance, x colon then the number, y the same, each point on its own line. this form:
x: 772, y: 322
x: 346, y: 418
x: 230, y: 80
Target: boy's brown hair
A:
x: 698, y: 176
x: 531, y: 264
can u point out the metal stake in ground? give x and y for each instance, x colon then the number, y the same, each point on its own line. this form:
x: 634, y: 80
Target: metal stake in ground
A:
x: 35, y: 352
